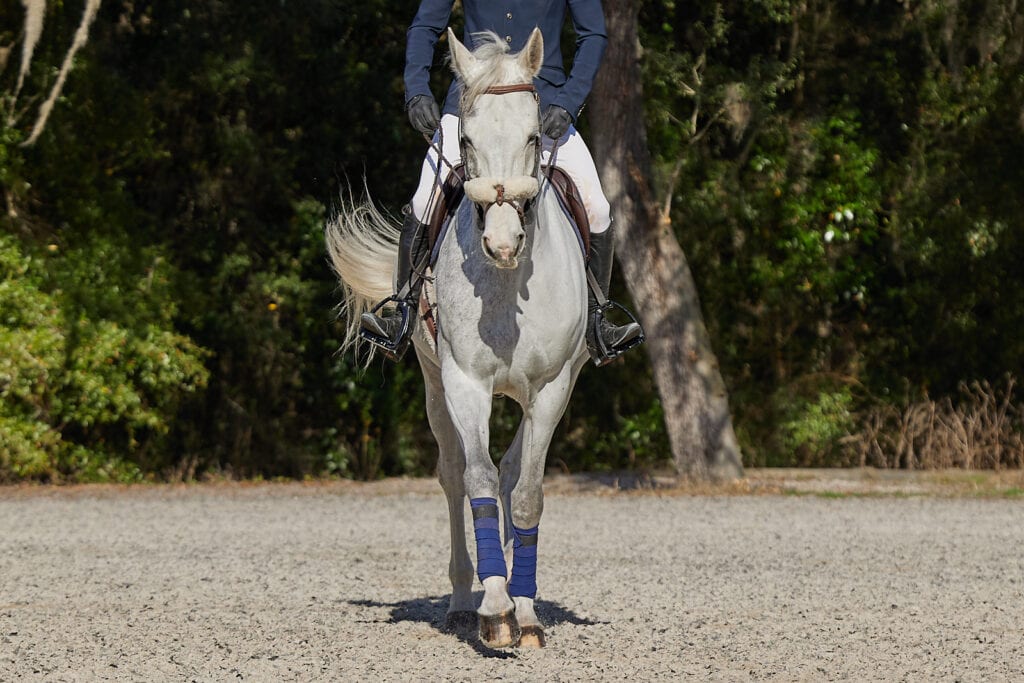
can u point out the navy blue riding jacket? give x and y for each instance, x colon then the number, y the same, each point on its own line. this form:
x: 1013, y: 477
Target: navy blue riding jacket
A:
x: 513, y: 20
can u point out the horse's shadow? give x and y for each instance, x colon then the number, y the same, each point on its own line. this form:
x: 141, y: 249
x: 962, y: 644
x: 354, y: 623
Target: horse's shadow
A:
x: 433, y: 610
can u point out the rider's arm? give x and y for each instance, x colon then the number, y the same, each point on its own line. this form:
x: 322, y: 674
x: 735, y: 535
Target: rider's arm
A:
x: 591, y: 39
x: 431, y: 20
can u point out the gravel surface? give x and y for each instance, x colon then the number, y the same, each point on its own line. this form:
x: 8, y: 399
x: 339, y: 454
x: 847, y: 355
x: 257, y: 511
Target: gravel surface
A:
x: 342, y: 582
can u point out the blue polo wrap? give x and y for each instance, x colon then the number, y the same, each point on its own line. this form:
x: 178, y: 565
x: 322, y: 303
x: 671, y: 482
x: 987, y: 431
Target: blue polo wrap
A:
x: 490, y: 560
x: 524, y: 563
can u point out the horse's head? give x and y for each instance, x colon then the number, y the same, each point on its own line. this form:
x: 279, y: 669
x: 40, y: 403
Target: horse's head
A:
x: 500, y: 138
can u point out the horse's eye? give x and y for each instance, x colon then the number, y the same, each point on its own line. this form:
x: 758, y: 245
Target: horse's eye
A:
x: 469, y: 156
x: 531, y: 153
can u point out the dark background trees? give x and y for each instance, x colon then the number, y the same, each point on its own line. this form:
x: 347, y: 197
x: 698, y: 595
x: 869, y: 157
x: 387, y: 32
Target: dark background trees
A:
x: 844, y: 180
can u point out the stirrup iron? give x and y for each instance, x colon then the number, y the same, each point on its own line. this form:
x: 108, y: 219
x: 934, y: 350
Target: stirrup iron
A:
x: 606, y: 354
x: 392, y: 349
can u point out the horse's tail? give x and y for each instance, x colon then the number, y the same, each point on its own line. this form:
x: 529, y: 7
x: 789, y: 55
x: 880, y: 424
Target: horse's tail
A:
x: 363, y: 247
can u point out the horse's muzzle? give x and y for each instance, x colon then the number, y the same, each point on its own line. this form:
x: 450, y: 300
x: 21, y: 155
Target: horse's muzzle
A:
x: 503, y: 253
x: 502, y: 205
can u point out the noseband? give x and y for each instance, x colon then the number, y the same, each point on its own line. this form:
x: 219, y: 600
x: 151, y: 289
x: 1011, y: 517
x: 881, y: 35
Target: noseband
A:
x: 521, y: 207
x: 500, y: 199
x: 516, y: 191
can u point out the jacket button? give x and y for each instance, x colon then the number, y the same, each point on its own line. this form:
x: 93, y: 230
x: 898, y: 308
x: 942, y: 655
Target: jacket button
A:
x: 508, y: 39
x: 508, y: 16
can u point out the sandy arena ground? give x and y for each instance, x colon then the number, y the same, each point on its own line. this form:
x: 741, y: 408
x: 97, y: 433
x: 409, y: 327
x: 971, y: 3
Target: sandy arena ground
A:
x: 341, y: 581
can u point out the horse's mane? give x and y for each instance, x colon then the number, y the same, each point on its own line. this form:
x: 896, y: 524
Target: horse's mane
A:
x: 493, y: 67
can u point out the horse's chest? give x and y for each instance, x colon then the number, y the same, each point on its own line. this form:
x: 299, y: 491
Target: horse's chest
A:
x: 518, y: 345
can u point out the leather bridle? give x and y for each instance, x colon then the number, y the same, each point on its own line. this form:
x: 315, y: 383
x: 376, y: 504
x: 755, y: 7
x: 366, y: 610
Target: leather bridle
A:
x: 522, y: 208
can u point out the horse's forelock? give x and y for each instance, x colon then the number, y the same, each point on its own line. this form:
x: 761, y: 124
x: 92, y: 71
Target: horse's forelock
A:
x: 494, y: 67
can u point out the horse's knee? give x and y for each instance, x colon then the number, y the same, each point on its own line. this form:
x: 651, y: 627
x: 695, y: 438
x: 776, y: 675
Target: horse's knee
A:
x: 527, y: 507
x: 450, y: 476
x: 448, y: 483
x: 480, y: 480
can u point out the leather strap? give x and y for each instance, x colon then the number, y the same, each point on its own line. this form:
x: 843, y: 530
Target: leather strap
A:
x: 506, y: 89
x: 481, y: 511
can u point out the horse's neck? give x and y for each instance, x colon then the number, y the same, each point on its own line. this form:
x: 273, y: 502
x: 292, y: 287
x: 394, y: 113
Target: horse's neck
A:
x: 553, y: 233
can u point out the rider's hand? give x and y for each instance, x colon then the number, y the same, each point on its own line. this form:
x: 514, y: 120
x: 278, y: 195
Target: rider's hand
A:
x: 423, y: 114
x: 555, y: 122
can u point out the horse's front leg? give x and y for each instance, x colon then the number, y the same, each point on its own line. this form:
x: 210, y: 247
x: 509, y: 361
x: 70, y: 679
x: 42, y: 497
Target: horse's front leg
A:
x: 525, y: 474
x: 469, y: 405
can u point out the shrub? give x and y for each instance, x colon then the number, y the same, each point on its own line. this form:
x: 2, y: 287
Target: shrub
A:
x: 981, y: 431
x: 77, y: 390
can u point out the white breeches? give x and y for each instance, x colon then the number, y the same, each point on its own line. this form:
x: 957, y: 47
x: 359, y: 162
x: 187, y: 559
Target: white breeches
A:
x: 571, y: 155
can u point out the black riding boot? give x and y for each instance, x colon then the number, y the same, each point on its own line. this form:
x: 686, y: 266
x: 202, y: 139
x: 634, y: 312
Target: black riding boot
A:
x: 392, y: 331
x: 606, y: 341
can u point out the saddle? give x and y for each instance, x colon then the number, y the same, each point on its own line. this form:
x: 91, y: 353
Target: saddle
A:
x: 565, y: 189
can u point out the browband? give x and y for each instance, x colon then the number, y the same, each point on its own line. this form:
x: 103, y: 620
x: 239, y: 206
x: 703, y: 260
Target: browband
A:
x: 506, y: 89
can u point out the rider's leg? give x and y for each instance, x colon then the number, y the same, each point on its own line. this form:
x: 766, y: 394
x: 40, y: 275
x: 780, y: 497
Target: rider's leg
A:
x: 612, y: 337
x: 573, y: 156
x: 430, y: 182
x: 412, y: 245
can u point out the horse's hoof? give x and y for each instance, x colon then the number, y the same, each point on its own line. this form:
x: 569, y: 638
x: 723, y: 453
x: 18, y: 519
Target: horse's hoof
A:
x: 500, y: 630
x: 460, y: 622
x: 531, y: 638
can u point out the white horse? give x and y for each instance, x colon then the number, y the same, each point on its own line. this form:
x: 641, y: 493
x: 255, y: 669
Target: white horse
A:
x: 510, y: 289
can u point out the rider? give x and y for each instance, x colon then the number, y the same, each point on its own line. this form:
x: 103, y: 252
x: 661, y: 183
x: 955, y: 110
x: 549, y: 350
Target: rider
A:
x: 561, y: 102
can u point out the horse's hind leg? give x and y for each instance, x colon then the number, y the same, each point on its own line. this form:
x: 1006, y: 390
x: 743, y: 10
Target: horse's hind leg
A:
x: 461, y: 610
x: 461, y: 614
x: 508, y: 475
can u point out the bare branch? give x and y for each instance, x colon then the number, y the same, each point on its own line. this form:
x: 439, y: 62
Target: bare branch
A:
x: 666, y: 208
x: 678, y: 166
x: 5, y: 54
x: 982, y: 431
x: 35, y: 11
x: 92, y: 7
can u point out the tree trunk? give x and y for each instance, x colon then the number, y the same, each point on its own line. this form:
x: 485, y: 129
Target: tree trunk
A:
x: 690, y: 386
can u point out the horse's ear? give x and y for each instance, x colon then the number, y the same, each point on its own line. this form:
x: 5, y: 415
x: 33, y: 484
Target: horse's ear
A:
x: 462, y: 59
x: 532, y: 56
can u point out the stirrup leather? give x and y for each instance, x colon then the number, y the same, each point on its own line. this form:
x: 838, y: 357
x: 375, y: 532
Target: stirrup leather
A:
x: 393, y: 349
x: 603, y: 354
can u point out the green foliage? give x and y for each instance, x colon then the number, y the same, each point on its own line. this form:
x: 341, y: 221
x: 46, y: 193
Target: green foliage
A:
x: 845, y: 181
x: 81, y: 394
x: 846, y: 187
x: 812, y: 428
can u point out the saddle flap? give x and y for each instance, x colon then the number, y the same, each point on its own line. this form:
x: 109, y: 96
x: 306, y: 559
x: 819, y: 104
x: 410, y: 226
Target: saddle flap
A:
x: 571, y: 201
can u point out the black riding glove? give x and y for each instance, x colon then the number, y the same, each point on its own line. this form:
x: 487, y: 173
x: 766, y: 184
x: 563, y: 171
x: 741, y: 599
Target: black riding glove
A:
x: 423, y: 114
x: 555, y: 122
